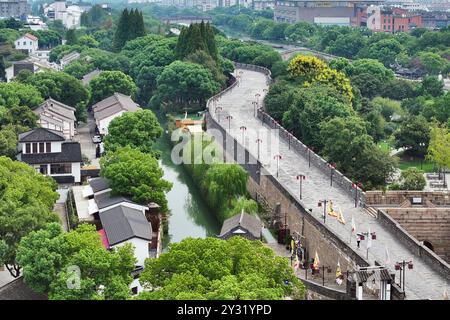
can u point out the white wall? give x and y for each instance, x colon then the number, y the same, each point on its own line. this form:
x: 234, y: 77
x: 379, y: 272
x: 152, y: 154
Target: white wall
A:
x: 140, y: 249
x: 30, y: 45
x: 56, y: 146
x: 104, y: 123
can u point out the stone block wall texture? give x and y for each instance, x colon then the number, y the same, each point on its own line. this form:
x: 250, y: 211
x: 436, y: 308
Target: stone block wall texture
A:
x: 394, y: 197
x: 426, y: 224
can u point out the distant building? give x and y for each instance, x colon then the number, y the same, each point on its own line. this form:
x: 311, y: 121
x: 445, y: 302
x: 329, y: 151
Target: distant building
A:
x: 68, y: 58
x: 386, y: 19
x: 14, y: 8
x: 436, y: 20
x: 51, y: 154
x: 27, y: 43
x: 70, y: 15
x: 242, y: 224
x: 331, y: 12
x: 89, y: 76
x: 263, y: 4
x: 108, y: 109
x: 57, y: 116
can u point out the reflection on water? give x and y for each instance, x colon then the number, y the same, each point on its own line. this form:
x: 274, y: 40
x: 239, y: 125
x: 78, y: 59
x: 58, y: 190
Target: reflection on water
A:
x: 189, y: 215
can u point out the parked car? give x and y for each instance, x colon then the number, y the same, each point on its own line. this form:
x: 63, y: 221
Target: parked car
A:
x: 96, y: 139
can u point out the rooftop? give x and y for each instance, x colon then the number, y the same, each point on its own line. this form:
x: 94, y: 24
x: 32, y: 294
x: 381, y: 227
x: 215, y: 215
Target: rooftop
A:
x: 41, y: 135
x: 112, y: 105
x: 122, y: 223
x: 89, y: 76
x: 247, y: 221
x: 57, y: 108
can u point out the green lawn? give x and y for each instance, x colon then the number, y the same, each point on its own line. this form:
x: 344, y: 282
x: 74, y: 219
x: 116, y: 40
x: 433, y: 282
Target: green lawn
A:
x: 424, y: 166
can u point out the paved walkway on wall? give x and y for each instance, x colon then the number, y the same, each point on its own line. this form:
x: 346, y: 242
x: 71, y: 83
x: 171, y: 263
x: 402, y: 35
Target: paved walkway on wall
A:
x: 421, y: 283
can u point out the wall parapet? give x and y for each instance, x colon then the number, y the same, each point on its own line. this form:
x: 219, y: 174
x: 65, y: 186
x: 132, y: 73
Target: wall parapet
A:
x: 418, y: 249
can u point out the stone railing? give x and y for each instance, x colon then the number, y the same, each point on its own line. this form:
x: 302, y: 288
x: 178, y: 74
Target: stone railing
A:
x: 338, y: 178
x: 418, y: 249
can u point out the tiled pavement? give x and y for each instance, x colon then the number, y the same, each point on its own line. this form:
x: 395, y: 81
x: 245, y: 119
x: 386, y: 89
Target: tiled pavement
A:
x: 421, y: 283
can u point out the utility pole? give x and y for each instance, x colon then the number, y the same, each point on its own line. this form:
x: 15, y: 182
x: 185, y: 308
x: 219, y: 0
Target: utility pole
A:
x: 300, y: 178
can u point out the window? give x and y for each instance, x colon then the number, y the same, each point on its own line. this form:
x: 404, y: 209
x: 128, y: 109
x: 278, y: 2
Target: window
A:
x: 27, y: 148
x: 24, y: 43
x: 31, y: 43
x: 43, y: 168
x: 49, y: 147
x: 41, y: 147
x: 134, y: 290
x: 35, y: 147
x: 60, y: 168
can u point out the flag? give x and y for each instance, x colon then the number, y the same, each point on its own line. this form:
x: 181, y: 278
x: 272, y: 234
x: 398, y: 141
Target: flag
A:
x: 338, y: 270
x: 369, y: 240
x: 353, y: 225
x: 341, y: 216
x: 388, y: 260
x: 316, y: 261
x: 292, y: 246
x: 330, y: 210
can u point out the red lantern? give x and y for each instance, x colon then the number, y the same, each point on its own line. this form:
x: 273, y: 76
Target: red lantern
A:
x: 319, y: 204
x: 374, y: 236
x: 397, y: 266
x: 410, y: 265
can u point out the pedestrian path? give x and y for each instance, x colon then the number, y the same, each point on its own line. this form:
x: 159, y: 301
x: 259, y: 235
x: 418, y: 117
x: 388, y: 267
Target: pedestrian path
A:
x: 422, y: 282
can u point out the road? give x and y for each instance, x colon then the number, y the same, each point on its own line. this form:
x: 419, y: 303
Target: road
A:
x: 421, y: 283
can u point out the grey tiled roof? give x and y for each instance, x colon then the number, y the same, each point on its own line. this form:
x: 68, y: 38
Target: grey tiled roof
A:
x: 112, y: 105
x: 89, y: 76
x: 18, y: 290
x: 70, y: 152
x: 122, y: 223
x: 99, y: 184
x: 106, y: 199
x: 251, y: 223
x: 41, y: 135
x: 57, y: 108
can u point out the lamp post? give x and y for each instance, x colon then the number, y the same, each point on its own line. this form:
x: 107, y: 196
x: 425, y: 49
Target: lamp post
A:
x: 243, y: 129
x: 218, y: 109
x: 356, y: 186
x: 319, y: 204
x: 332, y: 167
x: 309, y: 155
x: 328, y: 268
x: 290, y: 135
x: 401, y: 266
x: 278, y: 158
x: 254, y: 108
x: 229, y: 121
x: 258, y: 141
x: 300, y: 178
x: 257, y: 98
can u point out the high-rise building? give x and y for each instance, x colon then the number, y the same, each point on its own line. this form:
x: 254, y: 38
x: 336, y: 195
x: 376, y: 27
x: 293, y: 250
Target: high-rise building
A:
x: 14, y: 8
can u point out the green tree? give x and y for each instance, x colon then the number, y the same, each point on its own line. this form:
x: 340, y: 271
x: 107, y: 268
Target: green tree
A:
x: 2, y: 69
x: 48, y: 254
x: 236, y: 269
x: 432, y: 86
x: 439, y: 147
x: 347, y: 144
x: 109, y: 82
x: 184, y: 84
x: 88, y: 41
x: 135, y: 174
x: 431, y: 62
x: 280, y: 98
x: 8, y: 143
x: 26, y: 203
x: 412, y: 179
x: 138, y: 129
x: 413, y: 135
x: 15, y: 94
x: 369, y: 76
x: 62, y: 87
x: 71, y: 37
x: 314, y: 105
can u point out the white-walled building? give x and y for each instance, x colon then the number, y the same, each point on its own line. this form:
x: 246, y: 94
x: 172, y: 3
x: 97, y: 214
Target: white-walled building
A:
x: 51, y: 154
x: 108, y: 109
x: 27, y: 42
x: 57, y: 116
x: 70, y: 15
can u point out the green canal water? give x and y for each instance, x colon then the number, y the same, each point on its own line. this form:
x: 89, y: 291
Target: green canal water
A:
x: 189, y: 215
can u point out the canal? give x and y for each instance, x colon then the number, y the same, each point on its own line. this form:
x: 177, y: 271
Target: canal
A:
x: 189, y: 215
